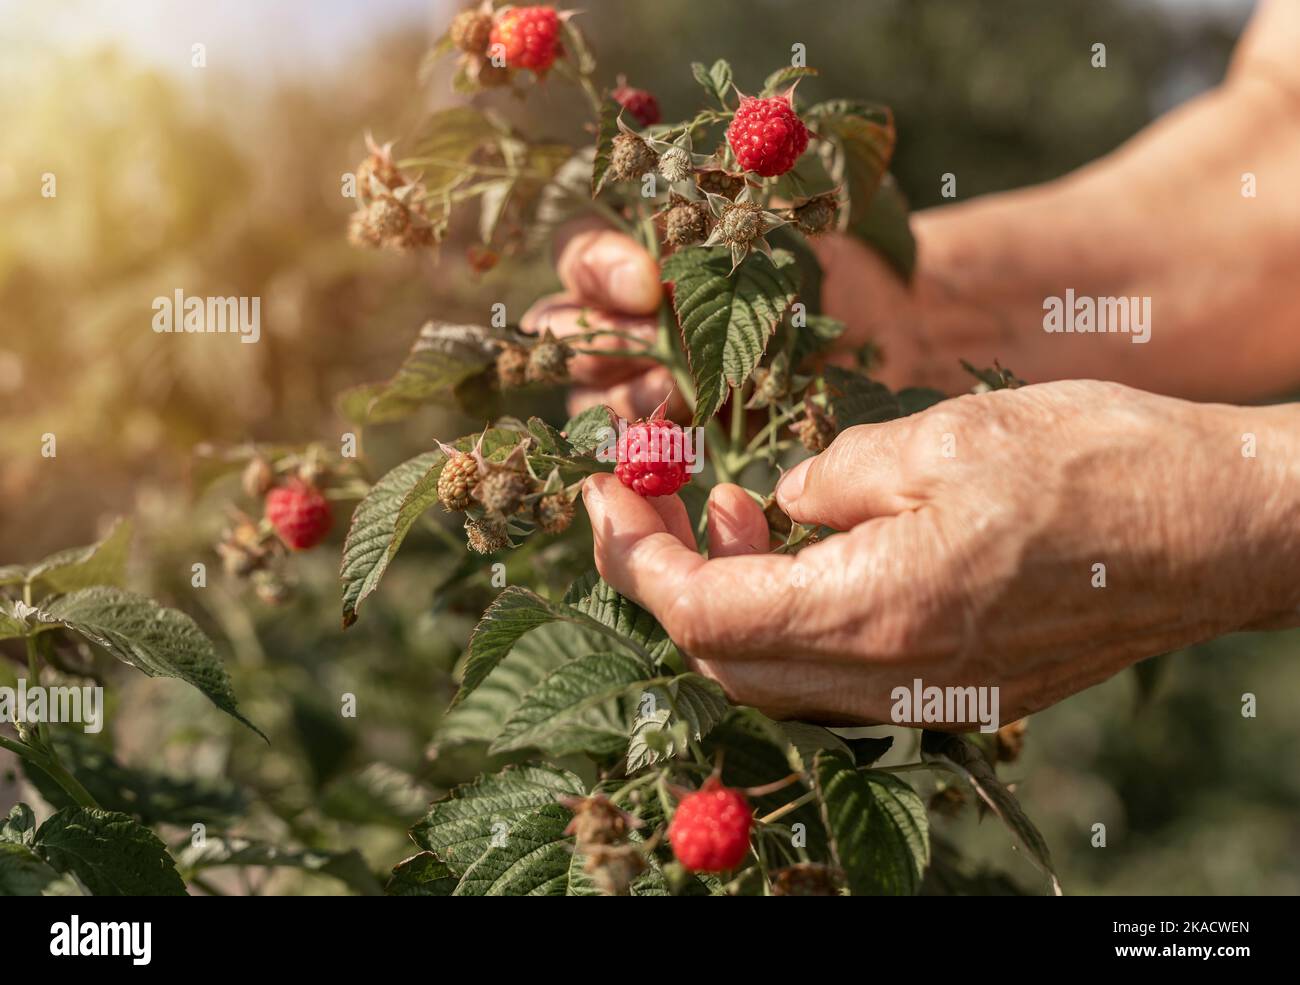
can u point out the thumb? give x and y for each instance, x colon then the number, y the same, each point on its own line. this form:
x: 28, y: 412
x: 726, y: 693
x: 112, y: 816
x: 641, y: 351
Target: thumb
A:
x: 606, y: 269
x: 857, y: 478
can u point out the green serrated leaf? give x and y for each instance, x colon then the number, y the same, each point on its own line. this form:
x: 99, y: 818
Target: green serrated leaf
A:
x: 111, y: 853
x: 587, y: 430
x: 421, y: 875
x: 514, y: 612
x: 605, y: 134
x: 914, y: 399
x: 726, y: 319
x: 481, y: 716
x: 480, y: 818
x: 575, y: 709
x: 11, y: 627
x: 24, y: 873
x: 157, y: 641
x: 446, y: 142
x: 970, y: 763
x: 348, y: 867
x: 783, y: 77
x: 376, y: 794
x: 444, y: 356
x: 101, y: 563
x: 690, y: 702
x: 883, y: 224
x: 19, y: 828
x: 594, y: 597
x: 879, y: 831
x: 857, y: 399
x: 380, y: 523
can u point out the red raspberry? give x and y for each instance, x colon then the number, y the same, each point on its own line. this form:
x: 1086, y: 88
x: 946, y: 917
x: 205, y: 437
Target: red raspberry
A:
x: 710, y: 828
x: 652, y: 457
x: 641, y: 104
x: 529, y: 36
x: 766, y: 135
x: 299, y: 513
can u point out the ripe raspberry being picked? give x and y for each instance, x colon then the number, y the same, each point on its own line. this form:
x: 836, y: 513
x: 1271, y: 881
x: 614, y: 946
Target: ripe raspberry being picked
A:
x: 299, y: 513
x: 710, y: 828
x: 766, y: 135
x: 654, y: 455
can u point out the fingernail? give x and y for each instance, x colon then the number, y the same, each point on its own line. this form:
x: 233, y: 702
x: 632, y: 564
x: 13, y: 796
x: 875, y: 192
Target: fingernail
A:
x: 791, y: 484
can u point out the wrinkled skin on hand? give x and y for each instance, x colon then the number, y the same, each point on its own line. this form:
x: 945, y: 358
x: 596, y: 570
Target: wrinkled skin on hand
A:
x: 970, y: 538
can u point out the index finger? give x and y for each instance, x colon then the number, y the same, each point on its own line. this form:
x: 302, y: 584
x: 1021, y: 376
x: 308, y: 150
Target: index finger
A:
x: 743, y: 607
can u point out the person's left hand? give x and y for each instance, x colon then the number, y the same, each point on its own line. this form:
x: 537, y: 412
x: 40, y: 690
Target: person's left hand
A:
x: 1037, y: 539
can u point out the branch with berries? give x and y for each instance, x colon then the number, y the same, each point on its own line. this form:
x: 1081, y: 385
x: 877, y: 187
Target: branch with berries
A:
x: 684, y: 792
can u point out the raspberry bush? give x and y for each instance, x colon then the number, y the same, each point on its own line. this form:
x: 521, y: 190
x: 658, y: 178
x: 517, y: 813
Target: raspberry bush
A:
x: 608, y: 766
x: 682, y: 792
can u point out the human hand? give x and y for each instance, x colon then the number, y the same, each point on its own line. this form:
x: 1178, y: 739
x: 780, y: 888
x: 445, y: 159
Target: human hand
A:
x: 972, y: 536
x: 610, y: 284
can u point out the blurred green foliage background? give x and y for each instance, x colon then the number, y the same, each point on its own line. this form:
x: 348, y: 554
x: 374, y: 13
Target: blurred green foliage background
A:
x: 228, y: 182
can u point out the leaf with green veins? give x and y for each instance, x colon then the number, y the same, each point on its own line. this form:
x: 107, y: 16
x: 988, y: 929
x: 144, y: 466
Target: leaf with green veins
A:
x: 883, y: 224
x: 157, y: 641
x: 101, y: 563
x: 380, y: 523
x: 576, y: 709
x: 693, y: 702
x: 444, y: 356
x: 24, y: 873
x: 783, y: 77
x: 480, y: 717
x: 446, y: 142
x: 376, y: 794
x: 726, y: 319
x: 423, y: 874
x: 596, y: 598
x: 879, y: 831
x: 856, y: 399
x: 605, y: 134
x: 807, y: 740
x: 111, y: 853
x: 480, y: 815
x: 587, y: 430
x: 19, y: 828
x: 715, y: 80
x: 11, y: 627
x: 914, y: 399
x: 867, y: 146
x: 348, y: 867
x: 516, y: 611
x: 970, y: 763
